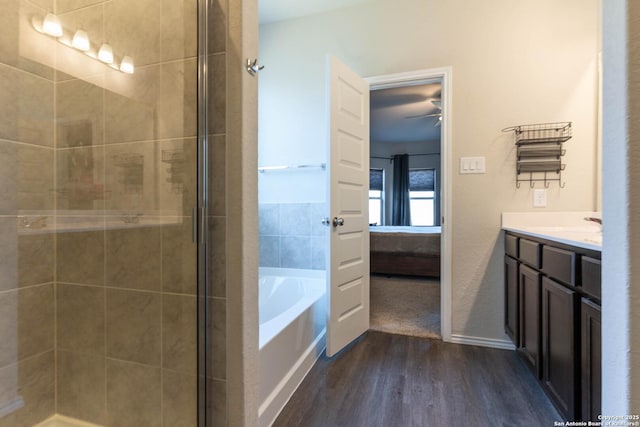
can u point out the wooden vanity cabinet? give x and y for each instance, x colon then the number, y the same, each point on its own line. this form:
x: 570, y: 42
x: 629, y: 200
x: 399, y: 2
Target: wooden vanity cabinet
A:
x: 559, y: 345
x: 529, y: 346
x: 555, y: 323
x: 591, y: 360
x: 511, y: 298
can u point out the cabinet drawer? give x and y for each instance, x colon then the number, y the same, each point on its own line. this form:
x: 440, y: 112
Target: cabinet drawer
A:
x: 511, y: 245
x: 591, y: 276
x: 559, y: 264
x: 529, y: 252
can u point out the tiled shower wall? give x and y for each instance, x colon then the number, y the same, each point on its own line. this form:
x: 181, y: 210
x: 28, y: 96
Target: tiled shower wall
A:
x: 102, y: 316
x: 27, y: 333
x: 292, y: 235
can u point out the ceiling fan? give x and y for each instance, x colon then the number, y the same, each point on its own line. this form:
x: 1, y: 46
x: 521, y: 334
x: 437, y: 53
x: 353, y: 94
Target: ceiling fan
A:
x: 438, y: 104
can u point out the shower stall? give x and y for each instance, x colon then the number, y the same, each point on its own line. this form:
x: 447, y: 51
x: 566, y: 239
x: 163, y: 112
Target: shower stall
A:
x: 112, y: 127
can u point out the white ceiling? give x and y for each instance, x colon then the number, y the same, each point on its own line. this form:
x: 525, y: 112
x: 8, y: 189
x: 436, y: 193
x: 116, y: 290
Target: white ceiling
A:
x: 279, y: 10
x: 391, y: 107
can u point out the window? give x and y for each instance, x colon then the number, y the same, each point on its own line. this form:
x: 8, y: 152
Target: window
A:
x: 376, y: 186
x: 422, y: 196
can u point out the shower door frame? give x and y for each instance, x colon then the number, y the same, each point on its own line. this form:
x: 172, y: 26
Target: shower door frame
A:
x: 199, y: 216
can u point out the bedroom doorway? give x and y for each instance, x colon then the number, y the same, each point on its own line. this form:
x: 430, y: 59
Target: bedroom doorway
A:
x: 409, y: 245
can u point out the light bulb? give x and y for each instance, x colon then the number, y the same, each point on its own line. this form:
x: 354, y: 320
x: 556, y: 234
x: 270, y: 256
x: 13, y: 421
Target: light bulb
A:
x: 126, y: 66
x: 51, y: 25
x: 105, y: 54
x: 81, y: 41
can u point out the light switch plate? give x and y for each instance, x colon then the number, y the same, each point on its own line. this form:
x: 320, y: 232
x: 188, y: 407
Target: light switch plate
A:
x: 540, y: 198
x: 472, y: 165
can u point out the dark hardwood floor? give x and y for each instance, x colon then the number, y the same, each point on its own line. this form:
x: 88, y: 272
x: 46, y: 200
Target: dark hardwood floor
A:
x: 396, y: 381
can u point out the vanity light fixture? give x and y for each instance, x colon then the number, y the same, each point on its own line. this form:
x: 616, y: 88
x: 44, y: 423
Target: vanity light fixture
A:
x: 81, y: 41
x: 105, y: 54
x: 126, y: 66
x: 51, y: 25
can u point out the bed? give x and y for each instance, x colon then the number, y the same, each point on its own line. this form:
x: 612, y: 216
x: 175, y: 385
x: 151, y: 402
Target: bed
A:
x: 408, y: 251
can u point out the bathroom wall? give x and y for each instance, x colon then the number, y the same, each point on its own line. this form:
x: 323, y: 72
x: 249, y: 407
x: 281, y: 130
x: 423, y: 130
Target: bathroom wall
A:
x: 27, y: 333
x: 620, y: 213
x: 292, y: 235
x: 512, y: 63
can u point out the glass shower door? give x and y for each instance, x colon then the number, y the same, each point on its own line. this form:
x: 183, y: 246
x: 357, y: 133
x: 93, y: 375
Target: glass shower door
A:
x: 98, y: 182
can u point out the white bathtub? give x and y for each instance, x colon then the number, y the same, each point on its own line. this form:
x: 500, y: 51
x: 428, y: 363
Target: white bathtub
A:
x: 292, y: 333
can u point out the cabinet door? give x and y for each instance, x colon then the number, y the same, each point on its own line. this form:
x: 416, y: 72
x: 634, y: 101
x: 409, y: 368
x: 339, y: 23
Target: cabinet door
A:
x: 529, y: 346
x: 559, y: 339
x: 591, y: 360
x: 511, y: 299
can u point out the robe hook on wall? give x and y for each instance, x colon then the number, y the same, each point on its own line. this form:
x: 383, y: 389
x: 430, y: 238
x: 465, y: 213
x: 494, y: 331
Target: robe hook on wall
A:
x: 252, y: 67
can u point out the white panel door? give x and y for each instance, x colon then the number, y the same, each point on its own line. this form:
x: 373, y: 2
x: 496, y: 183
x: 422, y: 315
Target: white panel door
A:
x: 348, y: 280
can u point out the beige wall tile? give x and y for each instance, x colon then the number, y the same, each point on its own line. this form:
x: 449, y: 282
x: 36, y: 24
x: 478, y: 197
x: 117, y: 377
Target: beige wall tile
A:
x: 133, y: 326
x: 26, y: 111
x: 134, y: 395
x: 80, y: 257
x: 216, y: 264
x: 8, y: 253
x: 177, y: 100
x: 25, y: 49
x: 33, y: 381
x: 132, y: 176
x: 217, y: 330
x: 80, y: 179
x: 179, y: 258
x: 133, y: 257
x: 179, y: 30
x: 179, y: 333
x: 217, y: 175
x: 133, y: 28
x: 79, y: 114
x: 80, y: 318
x: 217, y: 26
x: 26, y: 323
x: 35, y: 178
x: 217, y: 93
x: 26, y: 178
x: 35, y: 258
x: 179, y: 399
x: 152, y: 176
x: 9, y: 179
x: 217, y: 405
x: 81, y: 383
x: 177, y: 176
x: 131, y: 105
x: 63, y: 6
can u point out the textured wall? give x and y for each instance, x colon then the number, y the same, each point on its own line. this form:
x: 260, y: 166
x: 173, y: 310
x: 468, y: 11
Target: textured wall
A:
x: 513, y: 63
x: 621, y: 208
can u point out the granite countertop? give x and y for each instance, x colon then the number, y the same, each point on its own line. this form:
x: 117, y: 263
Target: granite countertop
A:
x: 568, y: 228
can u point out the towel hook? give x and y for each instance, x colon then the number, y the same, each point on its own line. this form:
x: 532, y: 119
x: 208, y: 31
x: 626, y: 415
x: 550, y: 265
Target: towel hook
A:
x: 252, y: 67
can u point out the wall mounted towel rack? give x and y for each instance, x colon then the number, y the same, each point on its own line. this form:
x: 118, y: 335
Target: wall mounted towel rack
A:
x: 290, y: 168
x: 539, y: 152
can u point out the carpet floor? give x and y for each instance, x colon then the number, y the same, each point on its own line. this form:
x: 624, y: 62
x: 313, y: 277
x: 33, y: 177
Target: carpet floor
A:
x: 405, y: 306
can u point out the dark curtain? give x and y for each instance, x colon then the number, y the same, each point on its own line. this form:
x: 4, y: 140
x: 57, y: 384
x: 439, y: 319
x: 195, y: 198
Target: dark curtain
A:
x: 401, y: 212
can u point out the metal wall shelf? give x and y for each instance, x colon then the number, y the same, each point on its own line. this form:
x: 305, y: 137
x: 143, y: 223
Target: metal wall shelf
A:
x: 539, y: 152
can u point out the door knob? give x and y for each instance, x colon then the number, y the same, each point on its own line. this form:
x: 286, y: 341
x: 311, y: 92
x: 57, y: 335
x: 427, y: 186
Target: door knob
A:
x: 326, y: 221
x: 338, y: 222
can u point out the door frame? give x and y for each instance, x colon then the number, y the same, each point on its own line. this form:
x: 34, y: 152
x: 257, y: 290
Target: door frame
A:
x: 444, y: 74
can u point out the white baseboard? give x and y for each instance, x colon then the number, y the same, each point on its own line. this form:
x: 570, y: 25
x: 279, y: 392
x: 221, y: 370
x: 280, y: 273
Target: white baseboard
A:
x: 482, y: 342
